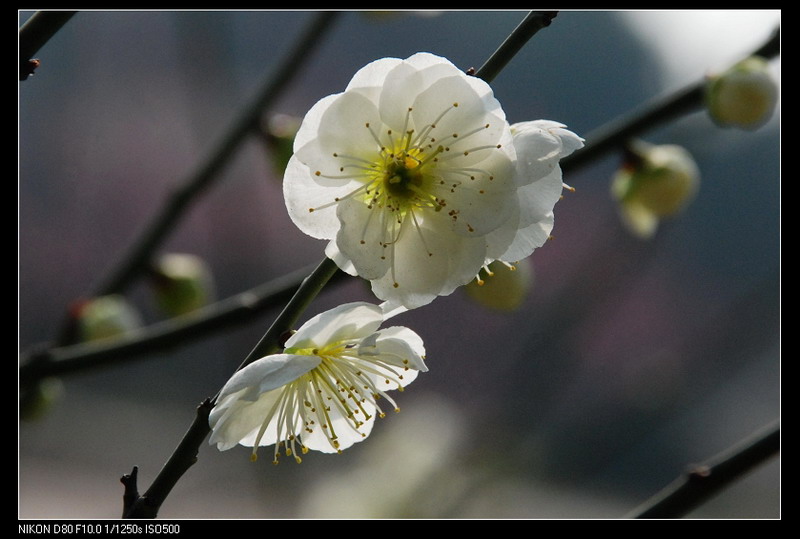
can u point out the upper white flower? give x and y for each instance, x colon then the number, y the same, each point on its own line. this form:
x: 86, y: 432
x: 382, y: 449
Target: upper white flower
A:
x: 408, y: 172
x: 322, y: 392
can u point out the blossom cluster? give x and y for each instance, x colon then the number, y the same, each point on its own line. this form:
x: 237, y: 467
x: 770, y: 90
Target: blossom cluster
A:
x: 417, y: 181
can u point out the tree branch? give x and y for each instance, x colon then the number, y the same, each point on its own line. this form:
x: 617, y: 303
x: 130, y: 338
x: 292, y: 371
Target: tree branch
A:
x: 660, y: 110
x: 35, y: 33
x: 532, y: 23
x: 137, y: 258
x: 211, y: 319
x: 185, y: 455
x: 703, y: 481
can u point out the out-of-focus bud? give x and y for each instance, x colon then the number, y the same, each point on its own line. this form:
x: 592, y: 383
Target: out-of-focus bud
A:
x: 280, y: 130
x: 182, y: 283
x: 36, y: 401
x: 654, y: 182
x: 502, y: 287
x: 743, y: 96
x: 106, y: 316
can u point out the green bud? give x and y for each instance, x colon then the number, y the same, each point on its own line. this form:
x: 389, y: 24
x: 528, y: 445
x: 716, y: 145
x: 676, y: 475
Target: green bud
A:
x: 182, y: 283
x: 280, y: 131
x: 503, y: 287
x: 106, y: 316
x: 743, y: 96
x: 655, y: 182
x: 36, y: 401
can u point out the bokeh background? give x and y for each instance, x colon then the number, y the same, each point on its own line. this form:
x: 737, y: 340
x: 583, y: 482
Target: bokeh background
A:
x: 627, y: 361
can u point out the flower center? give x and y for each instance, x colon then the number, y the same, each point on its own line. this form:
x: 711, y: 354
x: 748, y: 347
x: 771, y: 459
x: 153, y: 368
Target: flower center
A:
x: 342, y: 385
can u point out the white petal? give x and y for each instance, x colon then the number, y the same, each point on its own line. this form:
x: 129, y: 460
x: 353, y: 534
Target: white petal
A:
x: 345, y: 322
x: 453, y: 261
x: 232, y: 419
x: 340, y: 426
x: 362, y: 237
x: 303, y: 191
x: 267, y: 373
x: 373, y: 74
x: 344, y: 263
x: 310, y: 125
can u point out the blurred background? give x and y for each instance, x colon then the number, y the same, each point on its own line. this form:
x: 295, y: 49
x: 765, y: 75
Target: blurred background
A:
x: 627, y: 360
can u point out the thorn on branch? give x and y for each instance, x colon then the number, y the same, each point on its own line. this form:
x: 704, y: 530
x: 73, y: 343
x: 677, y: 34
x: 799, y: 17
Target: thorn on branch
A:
x: 131, y: 494
x: 26, y: 69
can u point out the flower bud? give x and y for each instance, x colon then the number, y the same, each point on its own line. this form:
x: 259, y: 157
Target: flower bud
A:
x: 280, y: 130
x: 106, y: 316
x: 37, y: 401
x: 182, y: 283
x: 502, y: 287
x: 743, y: 96
x: 655, y: 182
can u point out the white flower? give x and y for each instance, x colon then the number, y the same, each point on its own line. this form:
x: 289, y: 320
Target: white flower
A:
x: 408, y: 172
x: 322, y: 392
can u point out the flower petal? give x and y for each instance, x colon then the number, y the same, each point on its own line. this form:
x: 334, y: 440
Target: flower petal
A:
x: 345, y: 322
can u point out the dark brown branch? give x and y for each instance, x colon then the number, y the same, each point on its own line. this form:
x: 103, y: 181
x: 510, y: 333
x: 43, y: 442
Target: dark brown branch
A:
x: 211, y: 319
x: 138, y: 256
x: 703, y: 481
x: 616, y: 134
x: 183, y: 458
x: 532, y: 23
x: 185, y: 455
x: 35, y: 33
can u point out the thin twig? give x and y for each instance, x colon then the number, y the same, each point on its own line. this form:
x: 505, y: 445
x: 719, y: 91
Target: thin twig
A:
x: 138, y: 256
x: 703, y: 481
x: 185, y: 454
x: 532, y: 23
x: 35, y: 33
x: 659, y: 110
x: 199, y: 324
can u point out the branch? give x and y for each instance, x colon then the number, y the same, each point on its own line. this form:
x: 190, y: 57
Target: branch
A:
x: 213, y: 318
x: 532, y: 23
x: 703, y: 481
x: 659, y: 110
x: 137, y: 258
x: 185, y: 455
x: 35, y: 33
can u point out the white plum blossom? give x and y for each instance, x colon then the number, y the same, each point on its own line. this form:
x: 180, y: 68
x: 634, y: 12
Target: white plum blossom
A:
x: 322, y: 392
x: 414, y: 176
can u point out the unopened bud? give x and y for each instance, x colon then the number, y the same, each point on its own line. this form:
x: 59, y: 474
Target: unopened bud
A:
x: 280, y: 130
x: 743, y: 96
x: 106, y: 316
x: 182, y: 283
x: 655, y: 182
x: 502, y: 288
x: 37, y: 401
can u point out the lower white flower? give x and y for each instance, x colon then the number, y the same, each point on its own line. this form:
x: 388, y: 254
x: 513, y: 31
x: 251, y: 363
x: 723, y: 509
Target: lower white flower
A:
x: 322, y: 393
x: 413, y: 175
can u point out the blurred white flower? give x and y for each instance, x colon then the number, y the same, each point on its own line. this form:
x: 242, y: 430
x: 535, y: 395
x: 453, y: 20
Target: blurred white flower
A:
x: 408, y: 172
x: 505, y: 287
x: 322, y: 392
x: 656, y: 182
x: 744, y: 95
